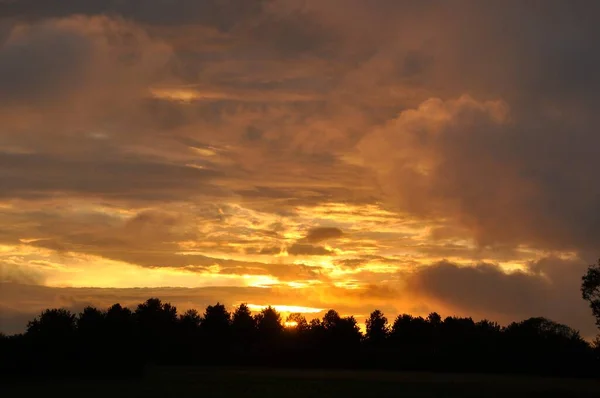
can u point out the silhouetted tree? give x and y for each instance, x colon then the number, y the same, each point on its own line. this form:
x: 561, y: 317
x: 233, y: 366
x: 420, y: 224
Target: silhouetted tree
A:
x: 316, y: 334
x: 340, y: 337
x: 156, y: 323
x: 552, y: 347
x: 315, y: 323
x: 156, y: 315
x: 301, y: 325
x: 53, y: 324
x: 52, y: 336
x: 401, y: 327
x: 119, y: 323
x: 124, y: 350
x: 243, y: 333
x: 331, y: 320
x: 434, y: 319
x: 90, y: 323
x: 377, y: 328
x: 409, y: 330
x: 268, y: 323
x: 454, y: 343
x: 410, y: 340
x: 215, y: 331
x: 596, y: 348
x: 270, y: 334
x: 190, y: 321
x: 216, y: 321
x: 243, y: 326
x: 188, y: 347
x: 92, y: 335
x: 590, y: 289
x: 487, y: 339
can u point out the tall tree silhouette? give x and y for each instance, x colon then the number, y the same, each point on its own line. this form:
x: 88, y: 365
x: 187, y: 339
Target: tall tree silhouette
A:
x: 189, y: 322
x: 243, y: 327
x: 215, y: 330
x: 156, y: 323
x: 91, y: 330
x: 188, y: 341
x: 156, y: 315
x: 590, y: 289
x: 270, y: 334
x: 268, y: 323
x: 119, y: 324
x: 377, y: 328
x: 410, y: 341
x: 341, y: 335
x: 216, y: 321
x: 91, y: 323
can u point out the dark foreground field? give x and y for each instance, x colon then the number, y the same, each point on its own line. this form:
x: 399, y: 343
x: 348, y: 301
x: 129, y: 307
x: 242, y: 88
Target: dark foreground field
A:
x: 190, y: 382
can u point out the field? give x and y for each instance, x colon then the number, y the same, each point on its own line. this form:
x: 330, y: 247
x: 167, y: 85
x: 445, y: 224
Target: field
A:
x: 194, y: 382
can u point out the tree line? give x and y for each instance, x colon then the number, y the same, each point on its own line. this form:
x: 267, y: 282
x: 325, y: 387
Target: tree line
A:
x: 119, y: 342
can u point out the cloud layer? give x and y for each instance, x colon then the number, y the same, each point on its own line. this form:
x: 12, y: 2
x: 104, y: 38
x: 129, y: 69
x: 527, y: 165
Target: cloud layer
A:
x: 412, y: 156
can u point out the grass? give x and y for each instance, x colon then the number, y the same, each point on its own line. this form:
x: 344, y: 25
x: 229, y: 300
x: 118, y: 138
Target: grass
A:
x: 200, y: 382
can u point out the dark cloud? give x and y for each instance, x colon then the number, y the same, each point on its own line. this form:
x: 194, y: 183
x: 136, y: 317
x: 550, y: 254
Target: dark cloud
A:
x: 504, y: 179
x: 352, y: 262
x: 270, y: 250
x: 550, y: 289
x: 300, y: 249
x: 30, y: 69
x: 98, y: 56
x: 28, y: 176
x: 220, y: 14
x: 363, y: 260
x: 316, y: 235
x: 284, y: 272
x: 526, y: 180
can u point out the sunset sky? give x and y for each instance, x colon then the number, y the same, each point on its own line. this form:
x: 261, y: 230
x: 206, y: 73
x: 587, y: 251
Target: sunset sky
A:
x: 410, y: 156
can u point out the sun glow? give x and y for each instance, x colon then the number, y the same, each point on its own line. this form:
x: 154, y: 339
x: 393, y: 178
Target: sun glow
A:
x: 286, y: 308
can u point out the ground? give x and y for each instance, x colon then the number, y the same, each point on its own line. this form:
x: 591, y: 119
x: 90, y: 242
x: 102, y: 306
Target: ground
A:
x: 193, y: 382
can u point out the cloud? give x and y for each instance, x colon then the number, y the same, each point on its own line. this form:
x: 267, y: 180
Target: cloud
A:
x: 352, y: 262
x: 10, y: 272
x: 300, y: 249
x: 473, y: 161
x: 212, y: 12
x: 105, y: 57
x: 316, y: 235
x: 37, y: 175
x: 29, y: 68
x: 550, y: 288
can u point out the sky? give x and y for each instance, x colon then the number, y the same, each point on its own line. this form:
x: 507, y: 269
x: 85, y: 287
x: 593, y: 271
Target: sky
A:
x: 410, y: 156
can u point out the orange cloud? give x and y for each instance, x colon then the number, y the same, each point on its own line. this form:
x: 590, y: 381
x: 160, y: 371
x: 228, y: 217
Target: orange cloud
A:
x: 287, y: 153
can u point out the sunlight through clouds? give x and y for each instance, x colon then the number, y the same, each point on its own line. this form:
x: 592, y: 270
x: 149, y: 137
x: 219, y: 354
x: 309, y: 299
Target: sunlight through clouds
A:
x: 301, y: 155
